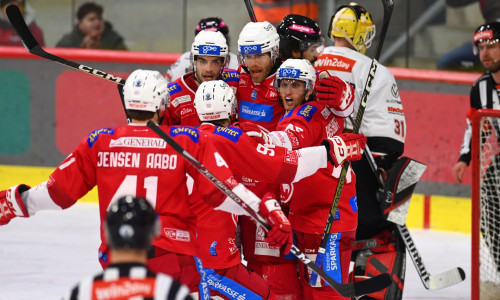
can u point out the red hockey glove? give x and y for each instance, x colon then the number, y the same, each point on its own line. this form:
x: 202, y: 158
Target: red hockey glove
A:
x: 334, y: 92
x: 11, y: 204
x: 258, y: 133
x: 281, y: 230
x: 345, y: 146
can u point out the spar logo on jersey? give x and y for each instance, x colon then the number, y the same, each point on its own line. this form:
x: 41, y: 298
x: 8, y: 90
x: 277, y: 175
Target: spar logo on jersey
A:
x: 209, y: 50
x: 256, y: 112
x: 93, y: 136
x: 179, y: 100
x: 243, y: 82
x: 334, y: 63
x: 289, y: 73
x: 173, y: 88
x: 192, y: 133
x: 177, y: 234
x: 250, y: 49
x: 230, y: 133
x: 307, y: 111
x: 230, y: 75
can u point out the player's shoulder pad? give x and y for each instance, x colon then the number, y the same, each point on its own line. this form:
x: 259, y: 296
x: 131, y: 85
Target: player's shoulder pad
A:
x: 190, y: 132
x: 174, y: 88
x: 230, y: 75
x: 94, y: 135
x: 231, y: 133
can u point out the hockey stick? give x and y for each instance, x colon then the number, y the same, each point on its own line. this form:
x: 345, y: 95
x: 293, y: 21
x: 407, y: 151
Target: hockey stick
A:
x: 348, y: 290
x: 251, y: 13
x: 17, y: 20
x: 388, y: 6
x: 430, y: 281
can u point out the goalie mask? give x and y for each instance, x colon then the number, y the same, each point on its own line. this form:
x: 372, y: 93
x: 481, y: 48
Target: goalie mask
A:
x: 209, y: 43
x: 486, y: 33
x: 131, y: 223
x: 257, y: 38
x: 215, y: 100
x: 354, y: 23
x: 146, y: 90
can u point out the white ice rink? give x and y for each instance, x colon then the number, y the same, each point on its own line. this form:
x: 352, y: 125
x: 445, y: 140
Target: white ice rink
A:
x: 42, y: 257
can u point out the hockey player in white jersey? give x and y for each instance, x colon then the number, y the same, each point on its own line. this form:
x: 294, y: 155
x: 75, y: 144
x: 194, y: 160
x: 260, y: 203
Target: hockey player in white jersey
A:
x: 183, y: 64
x: 383, y: 123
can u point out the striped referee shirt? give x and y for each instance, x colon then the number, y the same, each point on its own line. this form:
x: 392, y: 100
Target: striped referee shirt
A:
x: 129, y: 281
x: 484, y: 94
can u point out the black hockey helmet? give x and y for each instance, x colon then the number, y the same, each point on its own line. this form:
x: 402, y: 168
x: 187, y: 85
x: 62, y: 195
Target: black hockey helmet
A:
x: 486, y: 33
x: 130, y: 223
x: 216, y: 23
x: 297, y: 33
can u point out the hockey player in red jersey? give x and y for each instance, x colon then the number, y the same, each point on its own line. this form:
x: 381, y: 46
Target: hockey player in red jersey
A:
x: 209, y: 57
x: 132, y: 160
x: 128, y: 276
x: 258, y: 51
x: 216, y: 106
x: 309, y: 123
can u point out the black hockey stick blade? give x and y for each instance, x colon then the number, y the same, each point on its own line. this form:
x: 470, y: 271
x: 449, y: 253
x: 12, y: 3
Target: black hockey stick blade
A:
x: 430, y: 281
x: 251, y: 13
x: 348, y: 290
x: 30, y: 43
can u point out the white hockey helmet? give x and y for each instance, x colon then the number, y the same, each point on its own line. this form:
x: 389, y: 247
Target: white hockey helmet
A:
x: 210, y: 43
x: 146, y: 90
x: 258, y: 37
x: 296, y: 69
x: 215, y: 100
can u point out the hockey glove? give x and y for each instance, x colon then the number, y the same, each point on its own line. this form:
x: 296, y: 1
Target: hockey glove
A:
x: 258, y: 133
x: 335, y: 93
x: 344, y: 146
x: 281, y: 230
x: 11, y: 204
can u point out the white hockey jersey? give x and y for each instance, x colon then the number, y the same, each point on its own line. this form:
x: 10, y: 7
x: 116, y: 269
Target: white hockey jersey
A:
x: 183, y: 65
x: 384, y: 114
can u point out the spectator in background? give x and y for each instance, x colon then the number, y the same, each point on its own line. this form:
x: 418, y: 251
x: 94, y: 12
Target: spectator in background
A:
x: 92, y: 31
x: 274, y: 11
x: 8, y: 36
x: 463, y: 56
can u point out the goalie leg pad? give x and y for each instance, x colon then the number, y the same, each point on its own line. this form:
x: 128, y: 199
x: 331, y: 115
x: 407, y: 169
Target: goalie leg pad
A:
x: 388, y: 256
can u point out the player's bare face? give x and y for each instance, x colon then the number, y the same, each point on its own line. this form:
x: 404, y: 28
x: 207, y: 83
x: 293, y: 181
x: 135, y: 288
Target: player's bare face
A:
x: 259, y: 66
x: 208, y: 67
x: 489, y: 54
x: 311, y: 53
x: 292, y: 93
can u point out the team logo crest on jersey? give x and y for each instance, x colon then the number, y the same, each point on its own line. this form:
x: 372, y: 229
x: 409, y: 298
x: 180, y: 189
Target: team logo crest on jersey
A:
x: 192, y: 133
x: 394, y: 91
x: 254, y: 95
x: 229, y: 75
x: 231, y: 133
x: 334, y: 63
x: 307, y: 111
x: 173, y: 88
x: 354, y: 203
x: 93, y: 136
x: 286, y: 192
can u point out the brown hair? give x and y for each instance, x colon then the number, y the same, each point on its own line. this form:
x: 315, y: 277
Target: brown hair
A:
x: 89, y: 7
